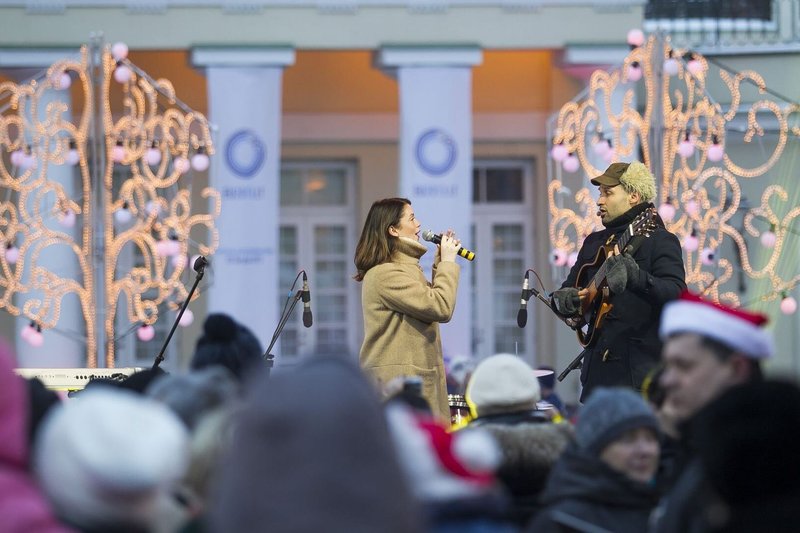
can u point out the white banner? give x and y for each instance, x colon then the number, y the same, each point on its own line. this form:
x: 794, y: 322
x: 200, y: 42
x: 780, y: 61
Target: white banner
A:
x: 436, y: 171
x: 245, y: 104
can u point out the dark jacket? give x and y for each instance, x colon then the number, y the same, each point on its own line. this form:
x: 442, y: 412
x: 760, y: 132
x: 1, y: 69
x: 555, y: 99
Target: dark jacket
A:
x: 531, y: 446
x: 627, y: 346
x: 584, y: 494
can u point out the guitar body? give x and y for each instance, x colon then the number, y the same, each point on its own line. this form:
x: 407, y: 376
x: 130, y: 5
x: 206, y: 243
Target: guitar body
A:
x: 596, y: 306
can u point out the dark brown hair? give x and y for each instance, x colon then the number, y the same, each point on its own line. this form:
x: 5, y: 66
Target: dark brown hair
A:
x: 376, y: 245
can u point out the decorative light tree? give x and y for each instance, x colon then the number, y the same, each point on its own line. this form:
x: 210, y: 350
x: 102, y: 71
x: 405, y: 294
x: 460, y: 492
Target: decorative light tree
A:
x: 135, y: 195
x: 657, y: 107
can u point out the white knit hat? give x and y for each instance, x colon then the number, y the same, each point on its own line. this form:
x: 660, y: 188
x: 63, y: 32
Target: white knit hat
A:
x: 738, y: 329
x: 108, y: 457
x: 503, y: 383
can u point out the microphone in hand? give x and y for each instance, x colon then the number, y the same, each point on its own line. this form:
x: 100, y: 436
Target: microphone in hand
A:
x: 308, y: 319
x: 436, y: 238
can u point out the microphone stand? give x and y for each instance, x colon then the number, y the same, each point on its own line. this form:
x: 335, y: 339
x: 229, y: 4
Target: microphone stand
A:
x: 199, y: 267
x: 575, y: 363
x: 268, y: 357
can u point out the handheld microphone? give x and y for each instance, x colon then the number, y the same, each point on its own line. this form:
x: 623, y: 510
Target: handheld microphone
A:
x: 522, y: 314
x: 435, y: 238
x: 308, y: 319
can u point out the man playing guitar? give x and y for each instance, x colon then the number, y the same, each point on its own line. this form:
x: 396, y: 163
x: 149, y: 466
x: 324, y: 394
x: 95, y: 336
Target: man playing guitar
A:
x: 621, y: 280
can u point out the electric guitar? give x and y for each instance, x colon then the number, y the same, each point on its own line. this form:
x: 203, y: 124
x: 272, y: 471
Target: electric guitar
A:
x: 596, y: 305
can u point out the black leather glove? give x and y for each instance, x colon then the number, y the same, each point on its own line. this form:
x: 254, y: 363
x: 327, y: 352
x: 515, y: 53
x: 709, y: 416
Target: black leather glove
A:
x: 567, y: 301
x: 622, y: 272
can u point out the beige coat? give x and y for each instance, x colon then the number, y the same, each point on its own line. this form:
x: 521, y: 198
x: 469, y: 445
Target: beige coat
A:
x: 402, y: 311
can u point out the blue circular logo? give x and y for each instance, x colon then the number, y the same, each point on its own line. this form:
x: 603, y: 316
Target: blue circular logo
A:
x: 245, y: 153
x: 436, y: 152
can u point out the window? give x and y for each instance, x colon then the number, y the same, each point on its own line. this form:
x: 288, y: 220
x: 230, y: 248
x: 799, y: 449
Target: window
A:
x: 317, y: 234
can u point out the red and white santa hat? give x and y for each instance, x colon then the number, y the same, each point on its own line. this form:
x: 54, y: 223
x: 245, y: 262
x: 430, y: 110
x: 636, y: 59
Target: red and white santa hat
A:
x: 741, y: 330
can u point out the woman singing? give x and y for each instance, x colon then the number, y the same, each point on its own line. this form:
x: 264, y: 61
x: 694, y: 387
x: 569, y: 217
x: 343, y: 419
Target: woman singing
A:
x: 402, y: 310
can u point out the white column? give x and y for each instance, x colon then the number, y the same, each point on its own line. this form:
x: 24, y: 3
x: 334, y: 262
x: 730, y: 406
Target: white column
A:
x: 436, y: 156
x: 244, y: 86
x: 63, y: 347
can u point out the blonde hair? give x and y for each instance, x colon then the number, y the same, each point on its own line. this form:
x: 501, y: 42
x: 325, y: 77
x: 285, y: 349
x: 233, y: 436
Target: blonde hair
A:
x: 638, y: 178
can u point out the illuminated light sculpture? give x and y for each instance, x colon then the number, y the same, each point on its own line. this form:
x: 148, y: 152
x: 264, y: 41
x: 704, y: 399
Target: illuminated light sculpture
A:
x: 681, y: 132
x: 120, y: 177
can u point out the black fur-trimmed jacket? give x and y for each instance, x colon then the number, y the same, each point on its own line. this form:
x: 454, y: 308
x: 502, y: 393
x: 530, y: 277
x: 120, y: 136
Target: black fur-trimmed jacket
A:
x: 627, y: 346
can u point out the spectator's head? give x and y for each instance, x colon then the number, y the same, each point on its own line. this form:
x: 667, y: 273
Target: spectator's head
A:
x: 708, y: 348
x: 743, y: 439
x: 443, y: 465
x: 619, y: 427
x: 227, y: 343
x: 193, y: 395
x: 547, y: 378
x: 109, y: 458
x: 503, y: 383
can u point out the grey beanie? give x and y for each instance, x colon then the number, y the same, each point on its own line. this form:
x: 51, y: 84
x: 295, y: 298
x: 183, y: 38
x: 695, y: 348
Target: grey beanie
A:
x: 503, y: 383
x: 608, y: 414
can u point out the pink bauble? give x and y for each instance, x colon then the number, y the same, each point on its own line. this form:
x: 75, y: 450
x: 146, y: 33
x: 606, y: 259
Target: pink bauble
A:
x: 28, y: 161
x: 174, y: 247
x: 558, y: 257
x: 153, y: 208
x: 67, y: 218
x: 634, y: 73
x: 571, y: 163
x: 187, y: 318
x: 788, y: 305
x: 152, y: 156
x: 572, y: 259
x: 163, y: 247
x: 708, y: 256
x: 17, y: 157
x: 600, y: 146
x: 692, y: 208
x: 636, y: 37
x: 180, y: 261
x: 123, y: 215
x: 122, y: 74
x: 768, y: 239
x: 671, y: 66
x: 61, y: 81
x: 559, y: 152
x: 686, y: 149
x: 695, y: 67
x: 119, y: 51
x: 715, y: 152
x: 146, y: 333
x: 26, y: 331
x: 200, y: 162
x: 35, y: 339
x: 666, y: 211
x: 182, y: 165
x: 118, y: 153
x: 72, y: 157
x: 12, y: 255
x: 690, y: 243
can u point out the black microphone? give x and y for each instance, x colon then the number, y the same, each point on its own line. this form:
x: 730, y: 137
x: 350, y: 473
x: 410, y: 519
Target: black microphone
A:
x: 200, y: 264
x: 430, y: 236
x: 522, y: 314
x: 307, y: 318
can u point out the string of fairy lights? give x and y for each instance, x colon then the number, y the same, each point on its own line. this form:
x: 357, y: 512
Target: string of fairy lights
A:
x: 134, y: 195
x: 657, y: 107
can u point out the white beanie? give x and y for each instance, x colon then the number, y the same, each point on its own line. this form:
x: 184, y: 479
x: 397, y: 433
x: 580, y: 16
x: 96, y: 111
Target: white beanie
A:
x: 738, y: 329
x: 503, y: 383
x: 108, y: 457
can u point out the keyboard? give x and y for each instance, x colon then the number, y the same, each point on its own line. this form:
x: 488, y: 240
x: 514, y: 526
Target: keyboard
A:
x: 72, y: 379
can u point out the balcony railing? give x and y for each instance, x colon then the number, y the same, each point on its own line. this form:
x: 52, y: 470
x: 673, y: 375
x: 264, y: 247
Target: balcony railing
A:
x: 727, y: 25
